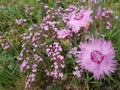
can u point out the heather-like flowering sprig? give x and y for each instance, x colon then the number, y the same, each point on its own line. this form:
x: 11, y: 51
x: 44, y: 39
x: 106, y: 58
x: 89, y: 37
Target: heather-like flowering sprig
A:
x: 35, y: 41
x: 68, y: 12
x: 77, y: 72
x: 4, y: 43
x: 49, y: 23
x: 54, y: 52
x: 73, y: 51
x: 20, y: 21
x: 29, y: 57
x: 106, y: 17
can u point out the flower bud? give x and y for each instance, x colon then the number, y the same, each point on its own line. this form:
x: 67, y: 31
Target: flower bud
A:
x: 99, y: 11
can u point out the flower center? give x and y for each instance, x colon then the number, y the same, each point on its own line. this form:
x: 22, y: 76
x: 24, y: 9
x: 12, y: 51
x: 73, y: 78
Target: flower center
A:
x: 79, y: 17
x: 96, y: 56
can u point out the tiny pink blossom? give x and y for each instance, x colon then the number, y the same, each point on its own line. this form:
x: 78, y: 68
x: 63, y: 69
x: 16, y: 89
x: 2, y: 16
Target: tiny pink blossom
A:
x: 60, y: 57
x: 116, y: 17
x: 77, y: 73
x: 108, y: 25
x: 76, y: 68
x: 33, y: 79
x: 23, y: 65
x: 27, y: 67
x: 34, y: 70
x: 61, y: 75
x: 62, y: 66
x: 32, y: 75
x: 56, y: 66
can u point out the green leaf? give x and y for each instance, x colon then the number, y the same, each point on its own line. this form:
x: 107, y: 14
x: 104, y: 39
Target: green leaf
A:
x: 6, y: 57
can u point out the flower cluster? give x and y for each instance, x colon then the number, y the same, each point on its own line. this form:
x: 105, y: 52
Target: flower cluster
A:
x: 4, y: 43
x: 54, y: 51
x: 63, y: 35
x: 20, y: 21
x: 105, y: 15
x: 31, y: 59
x: 77, y: 72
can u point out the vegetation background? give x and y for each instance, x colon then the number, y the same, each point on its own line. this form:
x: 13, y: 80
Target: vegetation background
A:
x: 10, y: 10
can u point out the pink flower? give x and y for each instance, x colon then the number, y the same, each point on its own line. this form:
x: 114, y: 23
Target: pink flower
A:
x: 61, y: 75
x: 23, y: 65
x: 80, y: 20
x: 77, y: 73
x: 97, y: 57
x: 108, y: 25
x: 63, y: 33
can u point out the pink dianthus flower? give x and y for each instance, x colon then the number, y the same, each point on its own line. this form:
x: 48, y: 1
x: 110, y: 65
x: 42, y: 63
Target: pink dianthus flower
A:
x: 80, y: 20
x: 97, y: 56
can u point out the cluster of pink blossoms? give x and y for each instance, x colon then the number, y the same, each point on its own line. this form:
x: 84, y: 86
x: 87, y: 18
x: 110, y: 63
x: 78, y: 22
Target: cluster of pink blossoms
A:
x: 31, y: 59
x: 57, y: 59
x: 57, y: 40
x: 20, y: 21
x: 4, y: 43
x: 77, y: 72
